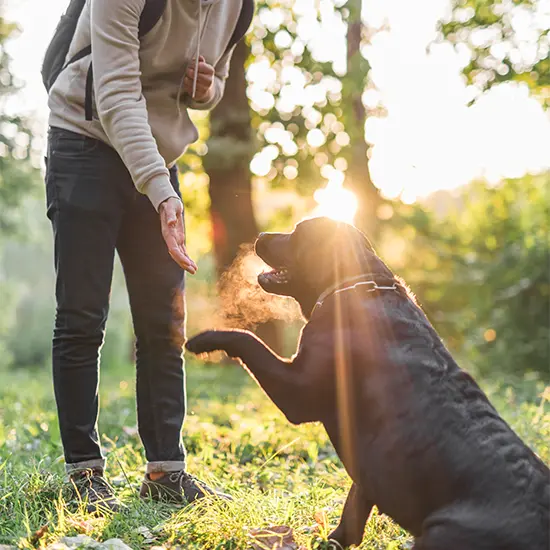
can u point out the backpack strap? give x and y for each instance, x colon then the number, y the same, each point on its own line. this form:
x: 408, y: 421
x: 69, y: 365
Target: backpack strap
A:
x: 243, y: 23
x: 78, y: 56
x: 150, y: 16
x: 88, y: 103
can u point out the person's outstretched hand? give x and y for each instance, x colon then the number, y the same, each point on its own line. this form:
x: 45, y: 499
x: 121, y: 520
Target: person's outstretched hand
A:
x: 171, y: 220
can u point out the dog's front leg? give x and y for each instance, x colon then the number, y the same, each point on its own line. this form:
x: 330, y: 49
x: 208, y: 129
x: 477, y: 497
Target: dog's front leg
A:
x: 280, y: 379
x: 354, y: 518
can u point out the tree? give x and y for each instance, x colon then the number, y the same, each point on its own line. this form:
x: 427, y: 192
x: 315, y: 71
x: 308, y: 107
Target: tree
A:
x: 354, y: 117
x: 17, y: 175
x: 230, y: 150
x: 499, y: 50
x: 309, y: 114
x: 231, y: 147
x: 488, y: 287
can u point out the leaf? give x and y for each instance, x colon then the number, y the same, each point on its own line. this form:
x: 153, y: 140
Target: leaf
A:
x: 147, y: 535
x: 321, y: 518
x: 82, y: 526
x: 35, y: 539
x: 279, y: 537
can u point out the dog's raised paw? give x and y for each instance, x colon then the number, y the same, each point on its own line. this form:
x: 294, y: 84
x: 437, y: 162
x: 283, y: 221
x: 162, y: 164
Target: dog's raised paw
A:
x: 205, y: 342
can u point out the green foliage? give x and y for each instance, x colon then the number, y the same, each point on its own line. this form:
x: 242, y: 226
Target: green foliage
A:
x: 507, y: 40
x: 481, y: 271
x: 302, y: 118
x: 17, y: 176
x: 279, y: 474
x: 27, y: 298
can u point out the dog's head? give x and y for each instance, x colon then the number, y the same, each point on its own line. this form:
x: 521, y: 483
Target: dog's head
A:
x: 317, y: 255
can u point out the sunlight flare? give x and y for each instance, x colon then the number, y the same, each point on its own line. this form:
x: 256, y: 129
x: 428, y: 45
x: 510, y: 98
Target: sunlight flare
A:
x: 336, y: 202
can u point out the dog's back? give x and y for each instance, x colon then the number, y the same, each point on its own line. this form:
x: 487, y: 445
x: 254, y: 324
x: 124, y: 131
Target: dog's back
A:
x: 435, y: 452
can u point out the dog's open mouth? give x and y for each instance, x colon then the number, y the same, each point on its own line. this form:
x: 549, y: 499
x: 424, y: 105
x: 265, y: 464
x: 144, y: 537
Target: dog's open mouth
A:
x: 274, y: 249
x: 274, y: 277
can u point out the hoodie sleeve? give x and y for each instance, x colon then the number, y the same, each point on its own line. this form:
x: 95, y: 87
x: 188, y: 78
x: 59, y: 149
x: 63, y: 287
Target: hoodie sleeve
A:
x: 120, y: 102
x: 220, y: 76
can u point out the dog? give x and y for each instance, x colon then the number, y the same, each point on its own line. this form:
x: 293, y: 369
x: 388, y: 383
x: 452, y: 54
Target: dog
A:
x: 417, y: 435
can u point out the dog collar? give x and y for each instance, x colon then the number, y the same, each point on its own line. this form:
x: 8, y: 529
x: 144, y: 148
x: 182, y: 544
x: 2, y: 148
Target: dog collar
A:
x: 351, y: 284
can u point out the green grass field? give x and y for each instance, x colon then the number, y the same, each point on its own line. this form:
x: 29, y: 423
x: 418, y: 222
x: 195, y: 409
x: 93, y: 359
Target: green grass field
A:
x: 279, y: 474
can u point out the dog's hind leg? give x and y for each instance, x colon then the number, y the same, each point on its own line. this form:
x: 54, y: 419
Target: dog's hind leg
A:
x: 466, y: 526
x: 439, y: 538
x: 449, y: 537
x: 354, y: 518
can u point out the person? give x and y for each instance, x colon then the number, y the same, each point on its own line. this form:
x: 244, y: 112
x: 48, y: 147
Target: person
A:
x: 118, y: 122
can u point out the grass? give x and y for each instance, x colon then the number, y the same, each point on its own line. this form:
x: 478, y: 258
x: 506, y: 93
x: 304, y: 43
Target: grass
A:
x: 279, y: 474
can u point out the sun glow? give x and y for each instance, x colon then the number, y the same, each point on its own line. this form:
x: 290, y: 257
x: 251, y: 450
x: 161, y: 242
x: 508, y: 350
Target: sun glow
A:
x: 336, y: 202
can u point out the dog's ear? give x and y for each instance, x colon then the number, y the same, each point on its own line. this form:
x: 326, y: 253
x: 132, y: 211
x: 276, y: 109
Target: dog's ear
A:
x: 353, y: 252
x: 327, y: 250
x: 331, y: 251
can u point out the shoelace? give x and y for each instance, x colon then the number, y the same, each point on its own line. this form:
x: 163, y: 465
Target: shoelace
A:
x: 96, y: 482
x: 101, y: 487
x: 181, y: 477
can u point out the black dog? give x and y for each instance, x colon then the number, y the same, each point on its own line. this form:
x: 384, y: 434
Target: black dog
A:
x: 416, y: 434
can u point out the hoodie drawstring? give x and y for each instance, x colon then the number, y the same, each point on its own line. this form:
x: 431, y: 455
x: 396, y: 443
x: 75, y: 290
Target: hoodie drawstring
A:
x: 198, y: 51
x: 202, y: 3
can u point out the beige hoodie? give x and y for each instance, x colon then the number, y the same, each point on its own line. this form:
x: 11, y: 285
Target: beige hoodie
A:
x: 139, y: 108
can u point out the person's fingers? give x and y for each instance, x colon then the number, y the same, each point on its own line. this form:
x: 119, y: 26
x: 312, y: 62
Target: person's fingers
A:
x: 204, y: 80
x: 202, y: 88
x: 182, y: 260
x: 179, y: 255
x: 203, y: 69
x: 188, y: 85
x: 201, y: 82
x: 180, y: 238
x: 191, y: 265
x: 174, y: 235
x: 193, y: 61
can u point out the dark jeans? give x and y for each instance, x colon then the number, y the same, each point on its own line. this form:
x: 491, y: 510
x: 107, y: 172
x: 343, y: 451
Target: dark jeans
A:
x: 95, y: 209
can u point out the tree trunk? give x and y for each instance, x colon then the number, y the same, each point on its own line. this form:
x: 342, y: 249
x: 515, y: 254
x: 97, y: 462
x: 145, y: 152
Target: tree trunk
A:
x: 227, y: 164
x: 358, y: 175
x: 231, y: 147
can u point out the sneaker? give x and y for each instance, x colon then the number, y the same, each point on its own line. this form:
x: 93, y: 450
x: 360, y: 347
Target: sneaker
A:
x: 178, y: 488
x: 92, y: 488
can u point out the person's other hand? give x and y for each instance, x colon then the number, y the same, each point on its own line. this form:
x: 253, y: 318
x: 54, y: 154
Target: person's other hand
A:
x: 205, y: 80
x: 171, y: 220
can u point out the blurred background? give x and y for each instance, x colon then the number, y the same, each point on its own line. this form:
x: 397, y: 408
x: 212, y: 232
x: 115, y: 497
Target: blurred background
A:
x: 424, y: 124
